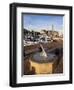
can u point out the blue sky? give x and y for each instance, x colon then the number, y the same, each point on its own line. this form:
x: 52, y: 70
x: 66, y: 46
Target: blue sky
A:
x: 38, y: 22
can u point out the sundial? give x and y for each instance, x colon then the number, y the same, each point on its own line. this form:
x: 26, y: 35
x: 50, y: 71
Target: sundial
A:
x: 42, y: 56
x: 44, y: 63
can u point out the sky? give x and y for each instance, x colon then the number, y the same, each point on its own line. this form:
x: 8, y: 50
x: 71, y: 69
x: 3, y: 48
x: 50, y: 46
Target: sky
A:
x: 39, y: 22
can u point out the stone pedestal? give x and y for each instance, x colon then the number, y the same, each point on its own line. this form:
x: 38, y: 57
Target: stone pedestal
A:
x: 44, y: 67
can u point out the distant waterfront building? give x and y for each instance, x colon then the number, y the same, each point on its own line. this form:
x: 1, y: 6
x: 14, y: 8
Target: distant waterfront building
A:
x: 54, y: 33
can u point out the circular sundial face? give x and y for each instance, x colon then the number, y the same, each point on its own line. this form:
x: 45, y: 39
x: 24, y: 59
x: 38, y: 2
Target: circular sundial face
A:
x: 39, y: 58
x: 42, y: 56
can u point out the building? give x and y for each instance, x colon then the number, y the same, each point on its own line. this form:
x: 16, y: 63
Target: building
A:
x: 53, y: 33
